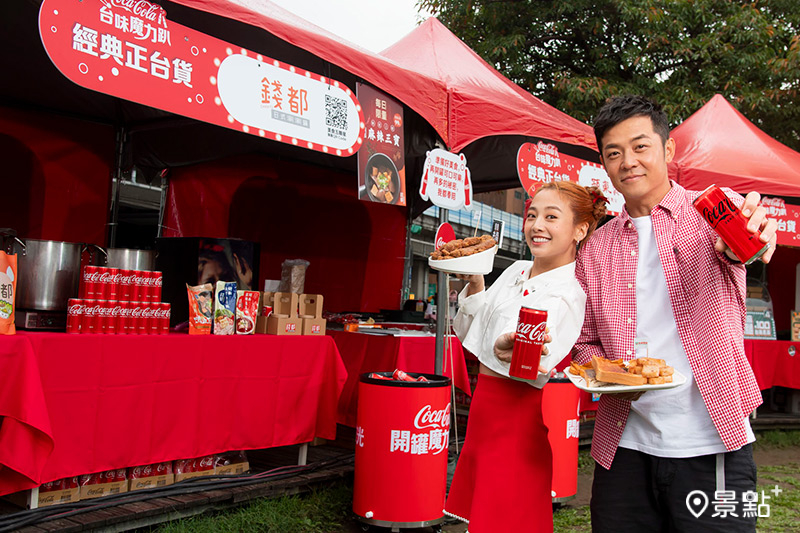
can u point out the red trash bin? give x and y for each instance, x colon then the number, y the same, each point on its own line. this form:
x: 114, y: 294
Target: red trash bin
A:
x: 402, y: 438
x: 561, y: 411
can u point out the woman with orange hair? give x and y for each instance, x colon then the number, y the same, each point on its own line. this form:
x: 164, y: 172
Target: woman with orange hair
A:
x: 502, y: 480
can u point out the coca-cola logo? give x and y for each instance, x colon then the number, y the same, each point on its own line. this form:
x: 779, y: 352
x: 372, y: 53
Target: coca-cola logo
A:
x: 106, y: 277
x: 158, y: 281
x: 125, y: 280
x: 531, y: 332
x: 75, y: 309
x: 148, y: 312
x: 439, y: 243
x: 722, y: 212
x: 91, y: 310
x: 427, y: 417
x: 116, y: 311
x: 206, y: 462
x: 116, y: 278
x: 92, y: 276
x: 141, y: 8
x: 137, y: 312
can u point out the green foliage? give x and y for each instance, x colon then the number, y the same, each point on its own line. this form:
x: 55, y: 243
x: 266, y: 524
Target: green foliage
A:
x: 575, y: 54
x: 777, y: 438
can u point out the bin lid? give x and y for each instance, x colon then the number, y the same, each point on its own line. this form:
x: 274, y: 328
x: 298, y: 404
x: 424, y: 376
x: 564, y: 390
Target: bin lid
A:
x: 434, y: 380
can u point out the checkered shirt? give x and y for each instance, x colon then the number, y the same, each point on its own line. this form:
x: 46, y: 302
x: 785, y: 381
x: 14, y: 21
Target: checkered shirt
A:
x: 707, y: 293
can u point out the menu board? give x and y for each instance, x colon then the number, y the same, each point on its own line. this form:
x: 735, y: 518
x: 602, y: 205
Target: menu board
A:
x: 381, y: 160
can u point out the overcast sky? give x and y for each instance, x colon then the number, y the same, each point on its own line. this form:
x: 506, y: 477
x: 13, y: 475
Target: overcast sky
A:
x: 371, y: 24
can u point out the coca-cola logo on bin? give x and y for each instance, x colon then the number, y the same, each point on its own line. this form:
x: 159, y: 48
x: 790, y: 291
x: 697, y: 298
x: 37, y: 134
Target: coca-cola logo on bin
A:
x: 531, y: 332
x: 427, y: 417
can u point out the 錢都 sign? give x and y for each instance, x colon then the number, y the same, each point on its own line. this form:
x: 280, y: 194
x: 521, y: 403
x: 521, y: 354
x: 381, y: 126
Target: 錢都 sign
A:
x: 128, y: 49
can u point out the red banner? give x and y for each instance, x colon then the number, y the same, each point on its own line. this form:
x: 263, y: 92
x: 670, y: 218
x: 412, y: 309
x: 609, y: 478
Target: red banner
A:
x: 539, y: 163
x: 128, y: 49
x: 787, y: 216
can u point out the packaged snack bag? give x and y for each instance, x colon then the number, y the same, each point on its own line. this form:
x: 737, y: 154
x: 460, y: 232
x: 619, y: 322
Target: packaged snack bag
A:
x: 246, y: 311
x: 225, y: 308
x: 8, y: 292
x: 201, y: 298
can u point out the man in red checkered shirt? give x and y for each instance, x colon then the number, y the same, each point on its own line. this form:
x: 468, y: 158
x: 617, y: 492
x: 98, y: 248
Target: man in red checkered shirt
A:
x: 660, y: 282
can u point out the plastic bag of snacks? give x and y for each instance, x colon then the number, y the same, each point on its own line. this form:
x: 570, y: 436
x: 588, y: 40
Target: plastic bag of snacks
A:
x: 8, y: 292
x: 225, y: 308
x: 246, y: 311
x: 201, y: 298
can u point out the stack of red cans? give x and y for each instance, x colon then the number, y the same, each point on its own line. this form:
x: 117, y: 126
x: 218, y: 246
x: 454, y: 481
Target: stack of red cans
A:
x: 116, y: 301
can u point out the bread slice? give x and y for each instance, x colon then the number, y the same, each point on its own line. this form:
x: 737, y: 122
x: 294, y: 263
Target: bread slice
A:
x: 608, y: 372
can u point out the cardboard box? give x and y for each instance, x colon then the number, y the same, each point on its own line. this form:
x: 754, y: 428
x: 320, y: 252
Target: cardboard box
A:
x: 231, y: 463
x: 284, y: 319
x: 190, y: 468
x: 311, y: 314
x: 150, y: 476
x: 103, y: 483
x: 65, y: 490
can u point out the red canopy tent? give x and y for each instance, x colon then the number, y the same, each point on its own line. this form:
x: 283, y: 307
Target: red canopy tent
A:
x: 482, y: 101
x: 717, y: 144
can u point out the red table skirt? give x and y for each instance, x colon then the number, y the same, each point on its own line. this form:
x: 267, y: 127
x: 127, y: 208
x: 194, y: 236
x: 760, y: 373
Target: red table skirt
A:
x: 775, y: 363
x: 78, y: 404
x: 365, y: 352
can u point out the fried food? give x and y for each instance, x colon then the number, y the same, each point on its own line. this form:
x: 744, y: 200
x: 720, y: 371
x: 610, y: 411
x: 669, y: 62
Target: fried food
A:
x: 609, y: 372
x: 650, y: 371
x: 464, y: 247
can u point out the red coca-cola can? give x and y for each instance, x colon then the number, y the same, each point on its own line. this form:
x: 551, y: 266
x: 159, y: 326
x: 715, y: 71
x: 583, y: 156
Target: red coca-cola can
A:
x: 90, y: 282
x: 164, y: 312
x: 138, y: 318
x: 105, y: 283
x: 154, y: 282
x: 113, y: 319
x: 126, y: 285
x: 123, y: 318
x: 138, y: 288
x: 75, y: 314
x: 728, y: 221
x: 91, y: 317
x: 104, y: 312
x: 528, y: 343
x: 153, y: 318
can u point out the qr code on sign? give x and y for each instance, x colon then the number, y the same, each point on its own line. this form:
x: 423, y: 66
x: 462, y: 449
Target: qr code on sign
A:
x: 336, y: 112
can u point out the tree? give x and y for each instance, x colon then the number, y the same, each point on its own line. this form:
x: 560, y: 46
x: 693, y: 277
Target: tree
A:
x: 574, y: 54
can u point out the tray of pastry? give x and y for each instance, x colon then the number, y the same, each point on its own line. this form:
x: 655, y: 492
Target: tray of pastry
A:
x: 604, y: 376
x: 473, y: 255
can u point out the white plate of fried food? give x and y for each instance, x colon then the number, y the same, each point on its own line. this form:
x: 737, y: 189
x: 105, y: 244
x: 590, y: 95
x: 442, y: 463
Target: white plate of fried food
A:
x: 473, y: 255
x: 610, y: 376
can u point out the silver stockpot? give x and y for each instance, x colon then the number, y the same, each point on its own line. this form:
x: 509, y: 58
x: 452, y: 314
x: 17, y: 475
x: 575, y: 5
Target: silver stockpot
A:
x: 131, y: 259
x: 48, y: 273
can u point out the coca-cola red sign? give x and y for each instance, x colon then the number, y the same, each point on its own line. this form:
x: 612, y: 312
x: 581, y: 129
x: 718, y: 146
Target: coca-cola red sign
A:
x: 126, y: 48
x: 444, y: 234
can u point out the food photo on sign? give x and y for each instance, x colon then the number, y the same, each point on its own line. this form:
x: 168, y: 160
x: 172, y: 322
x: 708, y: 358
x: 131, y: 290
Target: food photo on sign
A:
x: 381, y: 159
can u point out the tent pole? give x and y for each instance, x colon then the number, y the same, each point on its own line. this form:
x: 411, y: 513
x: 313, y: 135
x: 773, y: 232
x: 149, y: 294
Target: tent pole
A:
x: 116, y: 185
x: 441, y: 306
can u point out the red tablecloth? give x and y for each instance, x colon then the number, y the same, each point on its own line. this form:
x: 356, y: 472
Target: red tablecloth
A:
x: 366, y: 352
x: 775, y: 363
x: 104, y: 401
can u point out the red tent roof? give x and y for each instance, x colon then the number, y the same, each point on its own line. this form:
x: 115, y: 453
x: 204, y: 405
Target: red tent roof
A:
x: 483, y: 102
x: 425, y: 95
x: 718, y: 145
